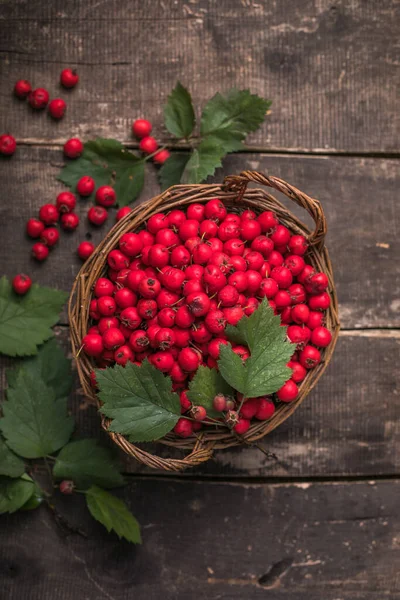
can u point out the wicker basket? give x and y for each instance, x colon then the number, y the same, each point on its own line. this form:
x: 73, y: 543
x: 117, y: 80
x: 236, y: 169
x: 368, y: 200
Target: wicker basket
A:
x: 234, y: 193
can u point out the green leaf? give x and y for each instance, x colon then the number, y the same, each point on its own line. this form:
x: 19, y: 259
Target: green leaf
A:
x: 113, y: 513
x: 205, y: 385
x: 139, y: 400
x: 35, y: 422
x: 203, y: 162
x: 26, y: 321
x: 50, y: 365
x: 228, y: 119
x: 265, y: 371
x: 179, y: 113
x: 14, y: 493
x: 172, y: 170
x: 109, y: 163
x: 87, y: 464
x: 10, y: 464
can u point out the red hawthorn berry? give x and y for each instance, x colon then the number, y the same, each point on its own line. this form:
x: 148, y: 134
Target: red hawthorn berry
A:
x: 57, y: 108
x: 69, y: 78
x: 21, y: 284
x: 161, y: 157
x: 73, y: 148
x: 39, y: 98
x: 8, y: 144
x: 141, y: 128
x: 85, y: 249
x: 22, y: 88
x: 148, y: 145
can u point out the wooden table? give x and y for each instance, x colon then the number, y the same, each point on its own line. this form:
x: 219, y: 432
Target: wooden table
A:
x: 323, y: 521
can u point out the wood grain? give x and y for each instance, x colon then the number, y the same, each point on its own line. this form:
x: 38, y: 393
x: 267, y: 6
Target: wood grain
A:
x: 297, y: 541
x: 336, y: 61
x: 359, y: 196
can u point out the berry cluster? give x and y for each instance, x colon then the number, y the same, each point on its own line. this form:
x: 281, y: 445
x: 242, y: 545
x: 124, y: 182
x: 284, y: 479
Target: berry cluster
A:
x: 38, y: 99
x: 141, y: 129
x: 172, y: 288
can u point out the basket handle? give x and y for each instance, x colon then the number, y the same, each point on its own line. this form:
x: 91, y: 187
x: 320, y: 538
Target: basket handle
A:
x: 312, y: 206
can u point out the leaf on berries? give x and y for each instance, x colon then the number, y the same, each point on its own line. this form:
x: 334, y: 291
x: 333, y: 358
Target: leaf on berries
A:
x: 35, y: 422
x: 51, y: 365
x: 14, y: 493
x: 179, y: 113
x: 139, y: 400
x: 87, y: 463
x: 26, y: 321
x: 265, y: 371
x: 10, y: 464
x: 204, y: 386
x: 172, y: 170
x: 108, y: 162
x: 203, y: 161
x: 228, y: 119
x: 113, y: 513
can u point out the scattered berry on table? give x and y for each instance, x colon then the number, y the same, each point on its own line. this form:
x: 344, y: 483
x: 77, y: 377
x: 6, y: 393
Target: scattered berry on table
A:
x: 97, y: 215
x: 161, y: 157
x: 73, y: 148
x: 21, y: 284
x: 69, y: 78
x: 50, y: 236
x: 69, y: 221
x: 66, y: 202
x: 40, y: 251
x: 39, y: 98
x: 57, y: 108
x: 141, y: 128
x: 48, y: 213
x: 148, y: 145
x: 122, y: 212
x: 22, y: 88
x: 106, y: 196
x: 85, y: 186
x: 8, y: 144
x: 85, y: 249
x: 34, y: 228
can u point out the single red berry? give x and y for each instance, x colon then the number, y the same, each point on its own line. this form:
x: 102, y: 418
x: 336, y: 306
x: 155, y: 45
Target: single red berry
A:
x: 162, y: 360
x: 297, y: 293
x: 288, y: 392
x: 233, y: 218
x: 122, y: 212
x: 138, y: 340
x: 85, y: 186
x: 106, y: 196
x: 241, y: 351
x: 50, y: 236
x: 48, y: 213
x: 113, y: 338
x: 147, y: 308
x: 254, y: 279
x: 201, y: 254
x: 250, y: 229
x: 8, y: 144
x: 117, y: 260
x: 106, y: 306
x: 268, y: 221
x: 263, y: 245
x: 198, y: 303
x: 265, y: 410
x: 282, y: 276
x: 34, y: 228
x: 184, y: 428
x: 200, y: 334
x: 66, y: 202
x: 22, y: 88
x: 141, y: 128
x: 167, y: 298
x: 21, y: 284
x: 310, y: 357
x: 69, y: 221
x: 215, y: 210
x: 255, y: 260
x: 315, y: 319
x: 233, y: 314
x: 317, y: 283
x: 268, y: 288
x: 214, y: 347
x: 123, y: 355
x: 198, y: 412
x: 305, y: 275
x: 228, y: 296
x: 300, y: 314
x: 38, y: 98
x: 161, y: 157
x: 282, y: 299
x: 242, y: 426
x: 93, y: 312
x: 69, y: 78
x: 67, y: 487
x: 130, y: 317
x: 251, y: 306
x: 298, y: 245
x: 189, y: 359
x: 321, y: 337
x: 189, y: 229
x: 106, y: 323
x: 130, y: 244
x: 320, y: 301
x: 57, y: 108
x: 125, y: 298
x: 73, y: 148
x: 248, y: 215
x: 281, y: 236
x: 92, y: 344
x: 97, y: 215
x: 149, y: 287
x: 148, y: 145
x: 40, y: 251
x: 195, y: 211
x: 219, y: 402
x: 180, y: 257
x: 298, y: 371
x: 155, y: 223
x: 249, y: 408
x: 103, y: 287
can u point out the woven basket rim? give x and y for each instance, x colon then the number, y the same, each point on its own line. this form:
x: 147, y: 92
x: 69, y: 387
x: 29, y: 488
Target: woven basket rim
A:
x: 234, y: 193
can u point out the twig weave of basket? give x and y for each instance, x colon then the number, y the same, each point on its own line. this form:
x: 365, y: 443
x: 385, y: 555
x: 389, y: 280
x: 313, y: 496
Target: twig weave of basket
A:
x: 236, y: 195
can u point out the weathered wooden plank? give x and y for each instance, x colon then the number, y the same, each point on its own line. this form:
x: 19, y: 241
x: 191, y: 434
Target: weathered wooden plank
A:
x: 348, y: 426
x: 204, y: 540
x: 330, y: 69
x: 358, y: 195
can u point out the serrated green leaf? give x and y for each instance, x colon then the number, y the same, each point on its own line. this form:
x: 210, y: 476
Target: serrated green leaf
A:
x: 179, y: 113
x: 87, y: 463
x: 203, y: 161
x: 26, y: 321
x: 204, y: 386
x: 113, y: 513
x: 14, y: 493
x: 51, y: 365
x: 35, y: 422
x: 139, y: 400
x: 265, y: 371
x: 10, y: 464
x: 109, y: 163
x: 228, y: 119
x: 172, y: 170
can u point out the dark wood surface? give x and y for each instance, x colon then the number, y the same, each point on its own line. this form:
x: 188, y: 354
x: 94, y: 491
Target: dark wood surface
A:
x: 322, y: 520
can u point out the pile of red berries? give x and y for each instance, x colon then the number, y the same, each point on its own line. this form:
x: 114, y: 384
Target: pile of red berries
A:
x: 172, y: 288
x: 38, y: 99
